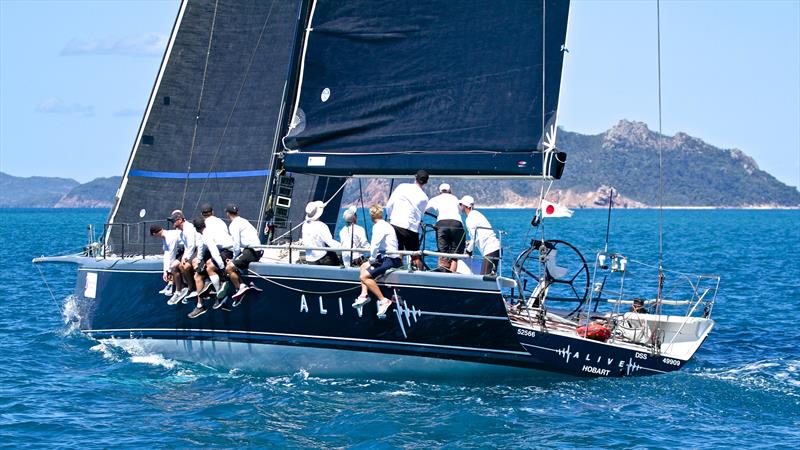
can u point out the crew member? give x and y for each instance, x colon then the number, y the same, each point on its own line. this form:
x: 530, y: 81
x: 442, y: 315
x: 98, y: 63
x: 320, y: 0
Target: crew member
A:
x: 245, y: 237
x: 450, y: 235
x: 382, y: 257
x: 317, y: 234
x: 352, y: 235
x: 405, y: 208
x: 212, y: 261
x: 188, y: 239
x: 173, y: 250
x: 482, y: 236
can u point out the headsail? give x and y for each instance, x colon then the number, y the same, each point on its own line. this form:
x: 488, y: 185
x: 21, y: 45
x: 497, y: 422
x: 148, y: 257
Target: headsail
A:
x: 214, y: 115
x: 457, y: 87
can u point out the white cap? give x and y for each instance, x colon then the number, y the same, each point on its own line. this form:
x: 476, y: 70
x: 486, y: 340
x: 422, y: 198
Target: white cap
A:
x: 467, y: 200
x: 314, y: 210
x: 444, y: 187
x: 349, y: 213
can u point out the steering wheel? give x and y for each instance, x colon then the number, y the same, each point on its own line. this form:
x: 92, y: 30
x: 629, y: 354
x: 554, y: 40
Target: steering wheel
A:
x: 560, y: 264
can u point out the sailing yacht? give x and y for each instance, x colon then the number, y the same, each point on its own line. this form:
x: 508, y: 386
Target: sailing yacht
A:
x: 274, y: 104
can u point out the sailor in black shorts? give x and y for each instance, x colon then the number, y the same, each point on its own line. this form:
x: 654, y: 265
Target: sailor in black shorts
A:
x: 245, y: 237
x: 450, y: 234
x: 405, y: 207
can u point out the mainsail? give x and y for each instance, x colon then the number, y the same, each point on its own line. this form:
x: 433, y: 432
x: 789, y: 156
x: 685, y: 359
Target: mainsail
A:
x: 214, y: 116
x: 464, y: 87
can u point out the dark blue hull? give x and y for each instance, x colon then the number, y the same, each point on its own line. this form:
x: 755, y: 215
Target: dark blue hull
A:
x: 439, y: 317
x: 585, y: 357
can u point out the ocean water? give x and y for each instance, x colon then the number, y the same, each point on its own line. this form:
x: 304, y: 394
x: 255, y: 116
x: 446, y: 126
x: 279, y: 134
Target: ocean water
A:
x: 59, y: 388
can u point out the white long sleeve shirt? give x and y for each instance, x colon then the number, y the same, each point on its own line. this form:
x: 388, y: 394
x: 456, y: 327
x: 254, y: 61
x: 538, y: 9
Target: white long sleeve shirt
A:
x: 170, y: 246
x: 317, y: 234
x: 219, y: 231
x: 406, y: 206
x: 445, y: 206
x: 243, y: 234
x: 384, y: 240
x: 189, y: 237
x: 481, y: 233
x: 353, y: 236
x: 207, y: 241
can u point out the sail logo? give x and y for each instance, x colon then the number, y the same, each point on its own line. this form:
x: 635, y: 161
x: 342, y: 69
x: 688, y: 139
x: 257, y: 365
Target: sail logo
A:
x: 590, y: 362
x: 407, y: 315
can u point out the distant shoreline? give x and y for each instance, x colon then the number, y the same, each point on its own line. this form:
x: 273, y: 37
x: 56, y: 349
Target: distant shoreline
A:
x: 509, y: 207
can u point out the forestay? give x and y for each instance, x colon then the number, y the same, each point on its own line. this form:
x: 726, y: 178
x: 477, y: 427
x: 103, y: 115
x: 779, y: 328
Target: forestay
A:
x: 463, y: 87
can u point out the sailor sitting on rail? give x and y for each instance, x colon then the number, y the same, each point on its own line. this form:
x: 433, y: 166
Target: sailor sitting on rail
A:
x: 383, y: 256
x: 173, y: 250
x: 352, y: 235
x: 188, y: 238
x: 214, y: 248
x: 317, y: 234
x: 245, y: 237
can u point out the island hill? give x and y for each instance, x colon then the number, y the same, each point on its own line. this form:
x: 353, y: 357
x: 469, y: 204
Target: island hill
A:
x: 625, y: 158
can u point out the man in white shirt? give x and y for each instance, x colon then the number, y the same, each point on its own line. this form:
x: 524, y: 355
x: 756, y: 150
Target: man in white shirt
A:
x: 352, y: 235
x: 212, y: 257
x: 405, y: 208
x: 383, y: 256
x: 245, y: 237
x: 189, y: 239
x: 450, y: 236
x: 482, y: 236
x: 173, y: 250
x: 317, y: 234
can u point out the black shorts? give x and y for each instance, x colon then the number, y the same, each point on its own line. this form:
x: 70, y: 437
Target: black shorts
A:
x: 406, y: 239
x: 490, y: 262
x: 225, y: 253
x: 450, y: 236
x: 381, y: 265
x: 248, y: 255
x: 330, y: 259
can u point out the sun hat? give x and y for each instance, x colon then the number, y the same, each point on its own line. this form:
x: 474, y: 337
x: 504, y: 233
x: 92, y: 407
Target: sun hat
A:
x: 314, y: 210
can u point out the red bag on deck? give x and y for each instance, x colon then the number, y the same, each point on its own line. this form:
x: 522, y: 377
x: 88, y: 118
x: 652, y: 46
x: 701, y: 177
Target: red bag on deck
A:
x: 594, y: 331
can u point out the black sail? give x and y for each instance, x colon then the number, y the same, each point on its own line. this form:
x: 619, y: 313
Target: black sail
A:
x: 466, y: 87
x: 214, y: 116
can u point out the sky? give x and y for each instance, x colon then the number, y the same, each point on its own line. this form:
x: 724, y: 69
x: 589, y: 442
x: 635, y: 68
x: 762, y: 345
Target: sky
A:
x: 75, y: 77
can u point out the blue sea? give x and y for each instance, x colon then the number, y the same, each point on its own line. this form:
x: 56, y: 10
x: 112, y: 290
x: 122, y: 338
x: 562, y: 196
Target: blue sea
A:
x: 59, y: 388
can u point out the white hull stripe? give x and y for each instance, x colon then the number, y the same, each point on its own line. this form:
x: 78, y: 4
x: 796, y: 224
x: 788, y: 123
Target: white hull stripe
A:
x: 327, y: 338
x: 269, y: 277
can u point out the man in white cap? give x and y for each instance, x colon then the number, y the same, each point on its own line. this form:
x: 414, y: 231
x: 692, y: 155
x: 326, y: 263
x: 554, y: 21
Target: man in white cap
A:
x: 173, y: 250
x: 482, y: 236
x: 405, y: 208
x: 352, y: 235
x: 450, y: 236
x: 188, y: 238
x: 317, y: 234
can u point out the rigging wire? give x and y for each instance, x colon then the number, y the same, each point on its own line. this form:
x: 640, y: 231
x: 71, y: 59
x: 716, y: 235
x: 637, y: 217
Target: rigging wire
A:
x: 52, y: 295
x: 199, y: 104
x: 660, y: 169
x: 235, y: 104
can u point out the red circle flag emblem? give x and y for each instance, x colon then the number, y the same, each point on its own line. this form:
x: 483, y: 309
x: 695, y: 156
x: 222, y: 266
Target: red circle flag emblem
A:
x: 550, y: 209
